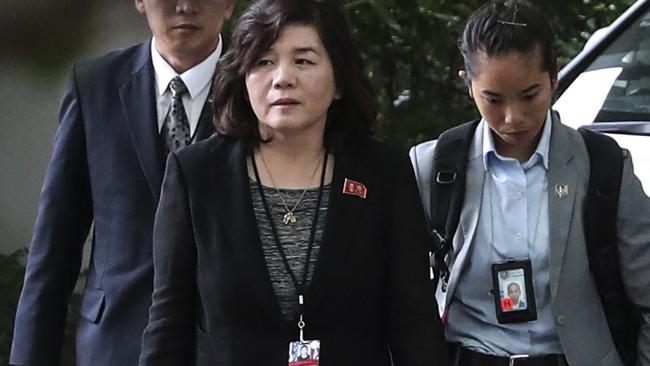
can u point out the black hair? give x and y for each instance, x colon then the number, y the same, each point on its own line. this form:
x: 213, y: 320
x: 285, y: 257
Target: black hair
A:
x: 349, y: 118
x: 504, y: 26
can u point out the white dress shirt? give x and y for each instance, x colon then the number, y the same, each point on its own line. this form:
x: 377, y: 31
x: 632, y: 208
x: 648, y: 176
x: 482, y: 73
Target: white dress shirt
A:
x: 197, y: 80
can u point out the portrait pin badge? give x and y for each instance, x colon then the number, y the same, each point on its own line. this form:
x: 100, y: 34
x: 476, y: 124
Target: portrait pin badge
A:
x: 354, y: 188
x: 561, y: 190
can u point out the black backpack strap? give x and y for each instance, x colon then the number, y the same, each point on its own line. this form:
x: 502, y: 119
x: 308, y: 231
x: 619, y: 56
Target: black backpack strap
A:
x: 448, y: 191
x: 600, y: 215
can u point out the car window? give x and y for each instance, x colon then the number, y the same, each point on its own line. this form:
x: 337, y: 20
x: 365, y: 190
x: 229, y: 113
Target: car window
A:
x: 616, y: 86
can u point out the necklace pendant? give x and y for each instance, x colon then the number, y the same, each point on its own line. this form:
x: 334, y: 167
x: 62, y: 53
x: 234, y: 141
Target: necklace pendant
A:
x: 289, y: 218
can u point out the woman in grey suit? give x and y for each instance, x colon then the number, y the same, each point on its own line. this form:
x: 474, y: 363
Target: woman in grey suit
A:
x: 522, y: 217
x: 292, y: 228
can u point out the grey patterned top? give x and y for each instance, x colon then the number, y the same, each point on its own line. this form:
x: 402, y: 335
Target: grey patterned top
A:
x: 294, y: 239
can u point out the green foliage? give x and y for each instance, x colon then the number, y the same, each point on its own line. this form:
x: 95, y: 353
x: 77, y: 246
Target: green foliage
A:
x: 409, y: 49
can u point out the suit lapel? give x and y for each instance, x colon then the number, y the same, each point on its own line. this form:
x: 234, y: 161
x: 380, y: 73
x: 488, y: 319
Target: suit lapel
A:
x: 205, y: 127
x: 232, y: 192
x: 561, y: 175
x: 138, y: 103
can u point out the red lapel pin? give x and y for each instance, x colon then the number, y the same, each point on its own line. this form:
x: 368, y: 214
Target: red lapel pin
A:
x: 354, y: 188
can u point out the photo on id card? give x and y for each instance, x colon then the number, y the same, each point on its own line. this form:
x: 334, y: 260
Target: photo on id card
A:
x: 304, y: 353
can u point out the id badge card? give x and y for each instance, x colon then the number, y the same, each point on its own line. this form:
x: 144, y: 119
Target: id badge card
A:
x: 304, y: 353
x: 514, y: 295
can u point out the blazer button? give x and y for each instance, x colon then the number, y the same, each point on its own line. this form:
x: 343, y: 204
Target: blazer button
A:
x: 559, y: 320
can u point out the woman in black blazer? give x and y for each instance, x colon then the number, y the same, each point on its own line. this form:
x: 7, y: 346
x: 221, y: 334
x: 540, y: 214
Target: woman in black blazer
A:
x: 292, y: 227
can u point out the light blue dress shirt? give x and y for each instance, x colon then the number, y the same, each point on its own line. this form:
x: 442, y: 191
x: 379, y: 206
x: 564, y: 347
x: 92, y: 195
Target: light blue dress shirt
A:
x: 513, y: 224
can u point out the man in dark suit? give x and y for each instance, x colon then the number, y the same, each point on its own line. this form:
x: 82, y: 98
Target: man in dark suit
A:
x: 119, y: 117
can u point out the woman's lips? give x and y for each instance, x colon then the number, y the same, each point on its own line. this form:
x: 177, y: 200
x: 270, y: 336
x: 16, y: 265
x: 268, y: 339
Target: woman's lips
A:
x: 284, y: 102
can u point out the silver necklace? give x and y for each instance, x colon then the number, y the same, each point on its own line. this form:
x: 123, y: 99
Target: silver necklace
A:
x: 289, y: 217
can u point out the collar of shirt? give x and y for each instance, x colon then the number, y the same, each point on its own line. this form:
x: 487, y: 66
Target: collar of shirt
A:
x: 196, y: 79
x: 489, y: 148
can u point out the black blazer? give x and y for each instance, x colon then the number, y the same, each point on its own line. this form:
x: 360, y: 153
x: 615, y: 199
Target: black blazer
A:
x: 213, y: 301
x: 106, y: 168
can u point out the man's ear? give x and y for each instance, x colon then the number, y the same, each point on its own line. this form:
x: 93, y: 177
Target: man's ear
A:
x: 230, y: 8
x: 139, y: 4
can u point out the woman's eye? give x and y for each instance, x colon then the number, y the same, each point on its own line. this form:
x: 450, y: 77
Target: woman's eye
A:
x: 493, y: 100
x: 304, y: 61
x: 530, y: 96
x: 263, y: 62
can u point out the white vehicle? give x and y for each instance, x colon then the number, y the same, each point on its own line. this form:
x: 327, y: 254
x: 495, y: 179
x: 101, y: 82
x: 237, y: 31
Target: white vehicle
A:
x: 607, y: 86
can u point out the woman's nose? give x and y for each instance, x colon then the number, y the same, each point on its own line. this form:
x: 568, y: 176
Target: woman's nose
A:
x: 514, y: 114
x: 284, y: 76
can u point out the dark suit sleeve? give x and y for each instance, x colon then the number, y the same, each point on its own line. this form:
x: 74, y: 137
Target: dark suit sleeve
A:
x: 169, y: 337
x: 62, y: 224
x: 415, y: 330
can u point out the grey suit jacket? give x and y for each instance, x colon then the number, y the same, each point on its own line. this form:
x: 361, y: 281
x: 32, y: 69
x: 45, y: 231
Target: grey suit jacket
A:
x: 578, y: 314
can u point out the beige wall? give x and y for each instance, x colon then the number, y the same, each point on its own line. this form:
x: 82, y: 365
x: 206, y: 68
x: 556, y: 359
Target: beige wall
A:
x: 29, y: 100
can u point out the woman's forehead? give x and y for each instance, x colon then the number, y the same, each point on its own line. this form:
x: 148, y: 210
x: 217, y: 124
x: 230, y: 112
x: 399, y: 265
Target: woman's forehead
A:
x: 512, y: 61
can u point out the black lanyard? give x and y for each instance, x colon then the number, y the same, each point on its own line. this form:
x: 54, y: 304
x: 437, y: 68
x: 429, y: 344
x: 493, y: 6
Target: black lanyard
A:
x: 300, y: 287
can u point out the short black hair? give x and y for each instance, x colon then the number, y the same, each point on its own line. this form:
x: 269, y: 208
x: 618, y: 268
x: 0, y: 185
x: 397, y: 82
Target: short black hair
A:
x: 349, y: 118
x: 503, y: 26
